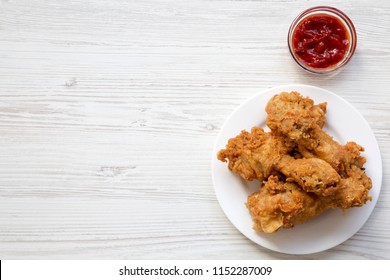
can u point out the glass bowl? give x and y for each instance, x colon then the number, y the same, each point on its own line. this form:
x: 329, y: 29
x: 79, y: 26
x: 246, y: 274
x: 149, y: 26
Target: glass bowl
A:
x: 324, y: 11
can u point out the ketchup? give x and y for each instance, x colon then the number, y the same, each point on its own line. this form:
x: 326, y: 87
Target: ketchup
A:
x: 320, y: 41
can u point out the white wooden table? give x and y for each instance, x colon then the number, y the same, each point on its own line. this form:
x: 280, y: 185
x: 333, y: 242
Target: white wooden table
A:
x: 109, y: 110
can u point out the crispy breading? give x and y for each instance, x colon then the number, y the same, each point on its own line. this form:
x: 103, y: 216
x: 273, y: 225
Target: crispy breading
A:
x: 282, y: 204
x: 297, y: 118
x: 313, y: 142
x: 252, y: 155
x: 353, y: 190
x: 293, y: 115
x: 259, y: 154
x: 312, y: 174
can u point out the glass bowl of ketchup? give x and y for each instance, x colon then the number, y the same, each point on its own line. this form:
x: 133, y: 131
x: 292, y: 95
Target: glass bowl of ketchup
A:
x: 322, y: 39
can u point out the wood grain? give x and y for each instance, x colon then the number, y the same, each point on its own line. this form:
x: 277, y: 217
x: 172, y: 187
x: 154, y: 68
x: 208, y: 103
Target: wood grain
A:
x: 109, y: 111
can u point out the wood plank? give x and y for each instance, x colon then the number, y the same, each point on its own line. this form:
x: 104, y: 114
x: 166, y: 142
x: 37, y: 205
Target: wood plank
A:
x: 109, y: 111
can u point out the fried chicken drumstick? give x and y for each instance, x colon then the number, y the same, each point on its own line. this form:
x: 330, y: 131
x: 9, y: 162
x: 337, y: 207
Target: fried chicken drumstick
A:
x: 283, y: 204
x: 299, y: 120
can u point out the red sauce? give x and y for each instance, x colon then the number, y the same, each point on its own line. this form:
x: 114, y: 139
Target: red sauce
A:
x: 320, y: 41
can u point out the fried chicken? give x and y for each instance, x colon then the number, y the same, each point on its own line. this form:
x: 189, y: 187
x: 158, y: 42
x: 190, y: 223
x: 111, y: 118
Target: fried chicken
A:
x: 304, y: 170
x: 289, y: 115
x: 352, y: 191
x: 282, y: 204
x: 312, y: 174
x: 259, y: 154
x: 253, y: 155
x: 321, y: 145
x: 299, y: 120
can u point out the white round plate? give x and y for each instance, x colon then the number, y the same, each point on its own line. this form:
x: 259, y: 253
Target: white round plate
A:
x: 333, y: 227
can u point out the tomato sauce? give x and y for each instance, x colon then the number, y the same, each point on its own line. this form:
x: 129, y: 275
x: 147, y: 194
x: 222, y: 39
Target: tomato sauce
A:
x: 320, y: 41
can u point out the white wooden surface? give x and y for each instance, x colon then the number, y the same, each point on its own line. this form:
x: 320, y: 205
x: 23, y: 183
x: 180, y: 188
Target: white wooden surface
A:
x: 109, y: 111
